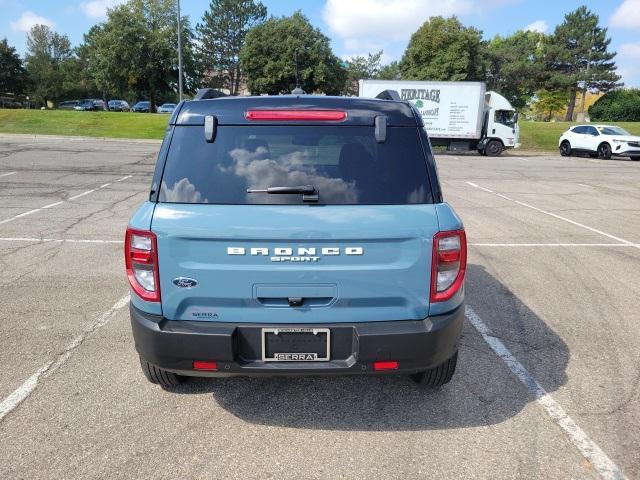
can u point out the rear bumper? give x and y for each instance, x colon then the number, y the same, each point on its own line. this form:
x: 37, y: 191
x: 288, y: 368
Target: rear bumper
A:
x: 416, y: 344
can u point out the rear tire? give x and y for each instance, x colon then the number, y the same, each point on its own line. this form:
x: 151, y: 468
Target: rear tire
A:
x: 604, y: 151
x: 160, y: 376
x: 565, y: 148
x: 437, y: 376
x: 494, y: 148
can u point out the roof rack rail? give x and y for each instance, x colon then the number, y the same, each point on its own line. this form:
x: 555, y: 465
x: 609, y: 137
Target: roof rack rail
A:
x: 388, y: 95
x: 207, y: 93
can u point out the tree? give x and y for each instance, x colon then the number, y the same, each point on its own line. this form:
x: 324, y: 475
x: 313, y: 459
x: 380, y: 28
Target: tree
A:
x: 48, y: 56
x: 134, y: 52
x: 515, y: 66
x: 549, y: 103
x: 444, y: 49
x: 269, y: 52
x: 359, y: 68
x: 221, y: 36
x: 390, y: 72
x: 622, y: 105
x: 577, y: 56
x: 12, y: 73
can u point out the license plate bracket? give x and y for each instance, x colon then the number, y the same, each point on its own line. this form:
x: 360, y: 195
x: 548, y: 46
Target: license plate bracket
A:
x: 296, y: 344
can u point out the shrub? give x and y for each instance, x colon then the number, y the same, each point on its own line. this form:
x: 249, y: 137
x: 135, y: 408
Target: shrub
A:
x: 617, y: 106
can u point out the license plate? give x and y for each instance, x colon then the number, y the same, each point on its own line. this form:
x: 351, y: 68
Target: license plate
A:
x: 295, y: 344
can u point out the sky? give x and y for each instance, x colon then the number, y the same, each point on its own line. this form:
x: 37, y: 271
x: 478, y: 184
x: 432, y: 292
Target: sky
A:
x: 357, y: 27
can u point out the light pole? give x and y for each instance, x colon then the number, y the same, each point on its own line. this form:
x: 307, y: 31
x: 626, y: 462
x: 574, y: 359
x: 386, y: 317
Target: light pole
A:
x: 582, y: 115
x: 179, y: 53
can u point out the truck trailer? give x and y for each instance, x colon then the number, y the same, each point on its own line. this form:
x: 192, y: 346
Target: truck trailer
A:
x: 461, y: 116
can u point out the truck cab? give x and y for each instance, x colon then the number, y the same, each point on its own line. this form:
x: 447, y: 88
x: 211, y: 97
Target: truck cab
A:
x: 500, y: 127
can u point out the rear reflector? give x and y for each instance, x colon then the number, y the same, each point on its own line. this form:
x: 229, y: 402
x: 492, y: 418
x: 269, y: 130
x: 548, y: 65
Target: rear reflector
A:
x: 296, y: 115
x: 388, y: 365
x: 448, y: 264
x: 202, y: 365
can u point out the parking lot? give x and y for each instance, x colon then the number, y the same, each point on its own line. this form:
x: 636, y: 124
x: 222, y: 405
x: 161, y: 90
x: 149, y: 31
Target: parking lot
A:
x: 547, y: 382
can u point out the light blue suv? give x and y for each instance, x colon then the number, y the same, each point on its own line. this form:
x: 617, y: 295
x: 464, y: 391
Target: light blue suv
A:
x: 296, y: 235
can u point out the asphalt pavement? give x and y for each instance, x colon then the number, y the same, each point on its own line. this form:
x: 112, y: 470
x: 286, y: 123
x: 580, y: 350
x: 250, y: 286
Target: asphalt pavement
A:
x: 548, y: 376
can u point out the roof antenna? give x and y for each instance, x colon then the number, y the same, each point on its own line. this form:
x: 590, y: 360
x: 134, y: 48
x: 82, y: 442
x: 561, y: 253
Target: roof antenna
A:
x: 298, y: 90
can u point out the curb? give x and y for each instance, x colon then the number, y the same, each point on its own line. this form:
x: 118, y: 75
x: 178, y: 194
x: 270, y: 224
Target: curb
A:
x: 73, y: 138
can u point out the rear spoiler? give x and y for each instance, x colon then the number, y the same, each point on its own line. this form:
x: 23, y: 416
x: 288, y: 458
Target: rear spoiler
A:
x: 208, y: 93
x: 389, y: 95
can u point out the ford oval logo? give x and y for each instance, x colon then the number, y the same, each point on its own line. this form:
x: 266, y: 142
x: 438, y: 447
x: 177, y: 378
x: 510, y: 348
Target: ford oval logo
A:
x: 184, y: 282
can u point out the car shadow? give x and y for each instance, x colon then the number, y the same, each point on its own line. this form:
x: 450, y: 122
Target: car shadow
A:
x: 483, y: 390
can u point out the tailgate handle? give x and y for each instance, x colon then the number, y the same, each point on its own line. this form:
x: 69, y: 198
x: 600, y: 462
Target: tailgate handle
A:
x: 295, y: 301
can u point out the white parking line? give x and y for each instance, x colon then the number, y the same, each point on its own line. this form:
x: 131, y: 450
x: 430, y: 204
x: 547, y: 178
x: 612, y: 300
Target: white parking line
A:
x: 35, y: 210
x: 587, y: 447
x: 24, y: 390
x: 7, y: 174
x: 554, y: 245
x: 554, y: 215
x: 59, y: 240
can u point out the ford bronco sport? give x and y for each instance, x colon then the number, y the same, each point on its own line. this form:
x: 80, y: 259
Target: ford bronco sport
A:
x: 296, y: 235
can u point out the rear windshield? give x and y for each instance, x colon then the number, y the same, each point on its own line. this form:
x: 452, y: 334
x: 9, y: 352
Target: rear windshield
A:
x: 345, y: 164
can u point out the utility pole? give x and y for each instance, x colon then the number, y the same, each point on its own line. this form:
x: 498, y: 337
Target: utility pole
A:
x: 179, y: 53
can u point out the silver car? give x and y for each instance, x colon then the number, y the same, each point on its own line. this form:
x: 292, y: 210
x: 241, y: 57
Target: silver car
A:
x: 167, y: 108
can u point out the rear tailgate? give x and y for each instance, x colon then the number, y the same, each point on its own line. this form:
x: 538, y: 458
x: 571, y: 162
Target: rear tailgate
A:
x: 370, y: 263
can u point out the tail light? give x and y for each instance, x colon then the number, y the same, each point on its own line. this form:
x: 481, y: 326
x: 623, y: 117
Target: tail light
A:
x: 141, y: 260
x: 448, y: 264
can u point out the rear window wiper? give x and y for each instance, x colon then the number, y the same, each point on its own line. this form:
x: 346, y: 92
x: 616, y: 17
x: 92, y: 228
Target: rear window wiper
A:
x: 309, y: 192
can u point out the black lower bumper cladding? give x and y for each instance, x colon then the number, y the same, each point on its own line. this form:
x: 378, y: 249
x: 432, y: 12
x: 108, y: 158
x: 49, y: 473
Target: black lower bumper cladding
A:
x: 236, y: 348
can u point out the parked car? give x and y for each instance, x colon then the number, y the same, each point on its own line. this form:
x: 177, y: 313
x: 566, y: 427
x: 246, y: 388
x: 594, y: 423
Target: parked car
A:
x: 91, y: 104
x: 293, y: 235
x: 119, y: 106
x: 68, y: 104
x: 167, y: 108
x: 603, y: 141
x: 143, y: 106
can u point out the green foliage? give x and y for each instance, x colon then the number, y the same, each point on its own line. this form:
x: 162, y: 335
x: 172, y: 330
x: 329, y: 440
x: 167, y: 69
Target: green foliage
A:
x: 548, y: 104
x: 268, y: 58
x: 390, y: 72
x: 134, y: 52
x: 359, y: 68
x: 12, y: 72
x: 617, y: 106
x: 577, y: 56
x: 48, y: 62
x: 221, y: 36
x: 514, y: 66
x: 444, y: 49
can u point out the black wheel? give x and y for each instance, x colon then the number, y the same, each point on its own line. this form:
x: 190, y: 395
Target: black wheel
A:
x: 635, y: 157
x: 493, y: 148
x: 565, y: 148
x: 159, y: 376
x: 437, y: 376
x: 604, y: 151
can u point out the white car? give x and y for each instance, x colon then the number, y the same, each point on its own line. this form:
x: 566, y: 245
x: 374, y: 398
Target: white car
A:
x: 601, y: 141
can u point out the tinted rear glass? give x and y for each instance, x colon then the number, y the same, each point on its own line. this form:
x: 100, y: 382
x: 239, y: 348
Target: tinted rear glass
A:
x: 345, y: 164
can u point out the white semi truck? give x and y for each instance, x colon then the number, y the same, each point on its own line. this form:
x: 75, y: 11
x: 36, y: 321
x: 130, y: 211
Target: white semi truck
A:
x: 461, y: 116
